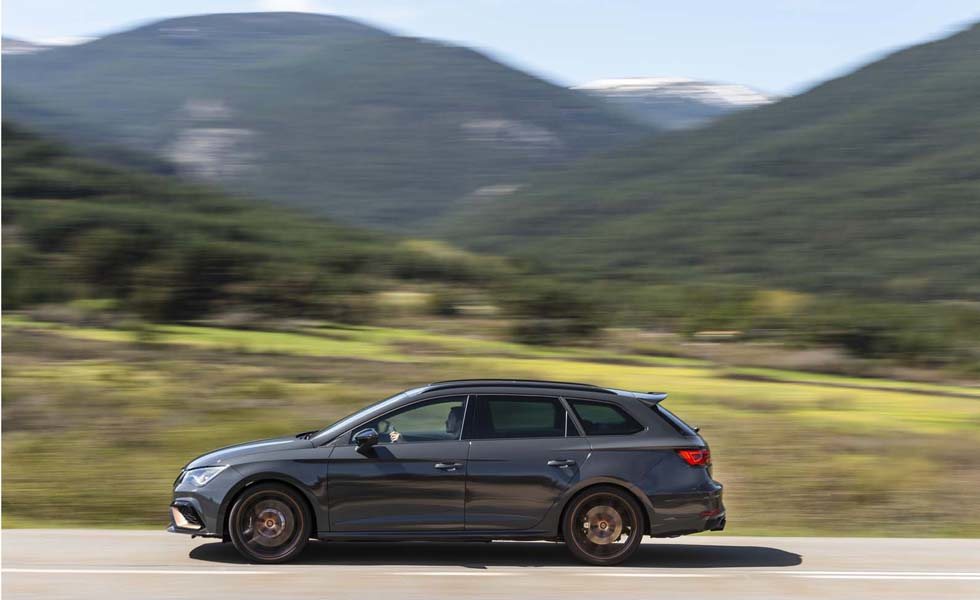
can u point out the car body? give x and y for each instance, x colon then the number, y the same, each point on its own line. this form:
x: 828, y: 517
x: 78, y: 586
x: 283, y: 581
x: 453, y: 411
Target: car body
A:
x: 464, y: 460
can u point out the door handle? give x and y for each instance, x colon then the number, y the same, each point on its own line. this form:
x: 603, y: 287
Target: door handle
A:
x: 448, y: 466
x: 561, y: 464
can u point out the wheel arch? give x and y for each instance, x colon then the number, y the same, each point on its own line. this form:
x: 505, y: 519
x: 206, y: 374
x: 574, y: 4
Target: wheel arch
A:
x: 636, y: 493
x: 270, y: 477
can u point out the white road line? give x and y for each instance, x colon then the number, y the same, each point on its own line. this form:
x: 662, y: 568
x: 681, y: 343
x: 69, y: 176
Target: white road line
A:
x: 137, y: 571
x: 896, y: 577
x: 888, y: 573
x: 614, y: 574
x: 456, y: 573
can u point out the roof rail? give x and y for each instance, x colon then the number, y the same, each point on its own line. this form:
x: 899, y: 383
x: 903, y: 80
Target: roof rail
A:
x: 648, y: 397
x: 515, y: 382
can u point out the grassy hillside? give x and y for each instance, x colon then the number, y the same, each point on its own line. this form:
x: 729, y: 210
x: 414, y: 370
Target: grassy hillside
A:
x: 103, y: 239
x: 100, y: 413
x: 314, y: 111
x: 867, y: 184
x: 77, y: 229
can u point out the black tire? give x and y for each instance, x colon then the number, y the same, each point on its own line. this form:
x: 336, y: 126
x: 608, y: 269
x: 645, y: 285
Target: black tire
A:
x: 269, y: 523
x: 589, y: 525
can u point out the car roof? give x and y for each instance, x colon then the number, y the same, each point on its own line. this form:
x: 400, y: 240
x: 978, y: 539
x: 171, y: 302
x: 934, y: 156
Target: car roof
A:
x: 653, y: 397
x: 496, y: 385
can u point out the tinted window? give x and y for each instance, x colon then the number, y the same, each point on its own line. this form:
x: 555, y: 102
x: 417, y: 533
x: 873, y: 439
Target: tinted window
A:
x: 433, y: 420
x: 675, y: 421
x: 517, y: 417
x: 350, y: 420
x: 599, y: 418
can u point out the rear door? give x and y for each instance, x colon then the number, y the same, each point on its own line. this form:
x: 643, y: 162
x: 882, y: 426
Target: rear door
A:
x: 524, y: 453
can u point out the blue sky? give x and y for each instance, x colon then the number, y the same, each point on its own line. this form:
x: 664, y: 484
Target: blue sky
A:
x: 780, y: 46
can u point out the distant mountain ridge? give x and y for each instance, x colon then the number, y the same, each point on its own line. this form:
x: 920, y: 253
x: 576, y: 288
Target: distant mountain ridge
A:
x: 16, y: 46
x: 867, y: 184
x: 314, y: 111
x: 675, y: 102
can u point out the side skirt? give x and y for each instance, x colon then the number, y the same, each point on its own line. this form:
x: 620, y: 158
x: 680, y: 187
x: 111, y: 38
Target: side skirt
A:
x: 432, y: 536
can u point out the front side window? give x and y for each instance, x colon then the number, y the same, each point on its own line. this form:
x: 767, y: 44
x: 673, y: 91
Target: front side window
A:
x: 599, y: 418
x: 496, y: 417
x: 329, y: 433
x: 430, y: 421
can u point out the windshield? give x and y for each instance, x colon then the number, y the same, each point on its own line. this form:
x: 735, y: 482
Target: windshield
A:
x: 332, y: 431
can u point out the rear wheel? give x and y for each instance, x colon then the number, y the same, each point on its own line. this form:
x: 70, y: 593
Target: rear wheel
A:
x: 603, y: 526
x: 269, y: 523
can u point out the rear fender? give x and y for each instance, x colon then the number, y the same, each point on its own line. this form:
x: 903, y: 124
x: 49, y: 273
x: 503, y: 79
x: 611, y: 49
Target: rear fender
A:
x: 552, y: 520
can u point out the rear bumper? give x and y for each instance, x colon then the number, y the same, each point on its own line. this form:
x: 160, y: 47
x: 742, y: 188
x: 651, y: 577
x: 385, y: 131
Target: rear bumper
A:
x: 716, y: 524
x: 688, y: 512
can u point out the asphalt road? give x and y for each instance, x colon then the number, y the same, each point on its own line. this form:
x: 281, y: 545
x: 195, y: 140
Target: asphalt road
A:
x: 147, y: 564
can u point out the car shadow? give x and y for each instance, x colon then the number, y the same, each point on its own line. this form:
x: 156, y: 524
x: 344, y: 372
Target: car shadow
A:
x: 527, y: 554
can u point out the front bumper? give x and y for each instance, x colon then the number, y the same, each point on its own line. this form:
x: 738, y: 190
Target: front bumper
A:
x: 198, y: 510
x: 184, y: 516
x: 187, y: 517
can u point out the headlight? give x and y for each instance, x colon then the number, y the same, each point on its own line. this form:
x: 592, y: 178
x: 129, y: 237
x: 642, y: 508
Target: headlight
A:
x: 200, y: 477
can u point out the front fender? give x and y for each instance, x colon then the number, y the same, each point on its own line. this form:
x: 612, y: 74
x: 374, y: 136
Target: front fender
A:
x: 317, y: 508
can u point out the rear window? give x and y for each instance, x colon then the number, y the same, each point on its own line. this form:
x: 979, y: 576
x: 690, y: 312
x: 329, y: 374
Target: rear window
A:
x: 599, y: 418
x: 674, y: 421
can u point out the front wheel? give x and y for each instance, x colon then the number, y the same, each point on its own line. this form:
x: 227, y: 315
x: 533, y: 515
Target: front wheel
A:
x: 269, y: 523
x: 603, y: 526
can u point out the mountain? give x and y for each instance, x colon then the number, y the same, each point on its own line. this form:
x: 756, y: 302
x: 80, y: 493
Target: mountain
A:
x: 98, y: 143
x: 868, y: 184
x: 78, y: 229
x: 315, y: 111
x: 16, y: 46
x: 674, y: 102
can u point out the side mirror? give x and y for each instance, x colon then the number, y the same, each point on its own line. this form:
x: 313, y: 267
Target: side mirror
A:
x: 365, y: 438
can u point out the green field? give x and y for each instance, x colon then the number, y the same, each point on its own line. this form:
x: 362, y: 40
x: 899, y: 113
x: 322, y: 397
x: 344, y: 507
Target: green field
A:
x: 98, y: 420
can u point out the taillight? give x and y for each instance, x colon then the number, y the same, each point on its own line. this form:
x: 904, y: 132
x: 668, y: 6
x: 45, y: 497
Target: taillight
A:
x: 696, y: 458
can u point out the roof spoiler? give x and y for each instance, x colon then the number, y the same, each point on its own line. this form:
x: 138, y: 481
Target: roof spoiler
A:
x: 648, y: 397
x: 651, y: 397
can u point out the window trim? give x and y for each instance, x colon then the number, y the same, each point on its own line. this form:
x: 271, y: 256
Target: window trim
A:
x: 561, y: 403
x: 569, y: 400
x: 347, y: 437
x: 571, y: 416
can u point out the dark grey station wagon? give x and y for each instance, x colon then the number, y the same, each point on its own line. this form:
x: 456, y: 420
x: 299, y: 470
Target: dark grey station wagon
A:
x: 597, y: 468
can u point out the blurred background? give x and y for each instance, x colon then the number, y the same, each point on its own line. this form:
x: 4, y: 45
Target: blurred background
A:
x: 221, y: 227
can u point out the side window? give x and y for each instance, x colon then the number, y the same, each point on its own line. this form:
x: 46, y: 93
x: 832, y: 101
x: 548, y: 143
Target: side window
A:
x: 599, y: 418
x: 430, y: 421
x: 516, y: 417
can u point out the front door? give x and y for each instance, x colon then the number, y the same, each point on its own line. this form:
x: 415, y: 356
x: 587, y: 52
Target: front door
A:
x: 413, y: 480
x: 524, y: 453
